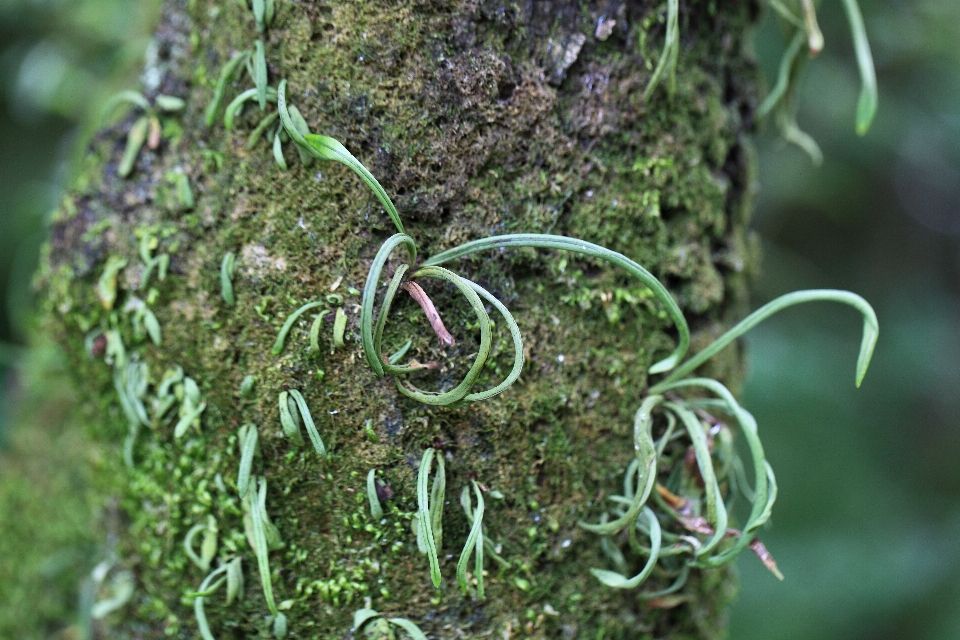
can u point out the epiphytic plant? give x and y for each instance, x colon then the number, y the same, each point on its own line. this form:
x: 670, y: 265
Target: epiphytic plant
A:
x: 699, y: 509
x: 379, y: 627
x: 799, y: 19
x: 801, y: 24
x: 147, y: 129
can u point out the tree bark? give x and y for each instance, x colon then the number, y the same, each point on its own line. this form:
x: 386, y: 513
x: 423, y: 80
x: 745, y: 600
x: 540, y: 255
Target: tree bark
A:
x: 478, y: 118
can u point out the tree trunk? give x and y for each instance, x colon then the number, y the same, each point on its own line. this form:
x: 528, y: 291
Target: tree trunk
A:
x: 478, y: 118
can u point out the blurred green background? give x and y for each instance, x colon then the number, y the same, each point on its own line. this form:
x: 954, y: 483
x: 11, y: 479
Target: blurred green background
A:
x: 867, y: 524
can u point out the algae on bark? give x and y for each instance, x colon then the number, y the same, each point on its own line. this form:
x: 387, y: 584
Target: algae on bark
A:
x: 479, y: 118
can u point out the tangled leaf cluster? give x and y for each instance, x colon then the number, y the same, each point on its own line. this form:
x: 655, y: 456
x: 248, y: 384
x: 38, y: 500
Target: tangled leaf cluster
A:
x: 697, y: 512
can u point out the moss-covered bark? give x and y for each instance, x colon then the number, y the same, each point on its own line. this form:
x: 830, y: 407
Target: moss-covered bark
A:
x: 479, y: 118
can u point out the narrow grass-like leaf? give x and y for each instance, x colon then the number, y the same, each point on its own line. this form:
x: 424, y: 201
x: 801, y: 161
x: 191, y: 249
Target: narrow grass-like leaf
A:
x: 426, y: 526
x: 260, y: 73
x: 227, y: 268
x: 233, y: 109
x: 370, y: 292
x: 306, y: 159
x: 247, y: 451
x: 226, y: 74
x: 208, y: 547
x: 583, y: 247
x: 315, y: 332
x: 184, y: 192
x: 234, y: 580
x: 619, y: 581
x: 169, y: 104
x: 290, y: 418
x: 867, y: 103
x: 184, y: 423
x: 438, y: 496
x: 246, y: 386
x: 207, y: 588
x: 280, y: 626
x: 412, y: 630
x: 278, y: 151
x: 269, y: 11
x: 339, y: 327
x: 189, y: 550
x: 646, y: 468
x: 783, y: 75
x: 325, y: 148
x: 716, y: 512
x: 135, y: 139
x: 107, y: 283
x: 792, y: 133
x: 474, y: 544
x: 163, y: 263
x: 153, y: 326
x: 259, y: 13
x: 517, y: 347
x: 871, y: 329
x: 260, y: 550
x: 122, y: 586
x: 362, y: 617
x: 261, y: 128
x: 397, y: 355
x: 274, y: 540
x: 130, y: 96
x: 762, y: 502
x: 285, y: 329
x: 376, y: 511
x: 671, y: 49
x: 308, y: 422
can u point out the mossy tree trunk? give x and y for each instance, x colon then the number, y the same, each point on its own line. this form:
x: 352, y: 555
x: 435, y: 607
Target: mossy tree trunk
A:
x: 479, y: 118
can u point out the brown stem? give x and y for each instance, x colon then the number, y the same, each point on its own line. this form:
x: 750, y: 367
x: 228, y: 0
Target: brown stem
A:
x: 418, y: 294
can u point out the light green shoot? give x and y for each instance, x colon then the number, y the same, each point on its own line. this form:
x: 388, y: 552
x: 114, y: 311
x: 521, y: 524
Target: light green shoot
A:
x: 260, y: 549
x: 227, y: 269
x: 870, y: 330
x: 363, y: 617
x: 278, y: 150
x: 787, y: 62
x: 208, y: 547
x: 248, y: 448
x: 474, y: 542
x: 427, y: 512
x: 646, y: 468
x: 315, y: 332
x: 236, y: 106
x: 867, y: 104
x: 259, y: 130
x: 136, y: 138
x: 324, y: 148
x: 285, y: 329
x: 619, y: 581
x: 376, y: 511
x: 588, y: 249
x: 339, y: 327
x: 293, y: 409
x: 671, y: 50
x: 260, y: 73
x: 107, y: 284
x: 226, y: 75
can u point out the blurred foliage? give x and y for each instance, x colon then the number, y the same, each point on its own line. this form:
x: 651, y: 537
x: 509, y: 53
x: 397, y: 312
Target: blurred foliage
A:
x: 868, y: 516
